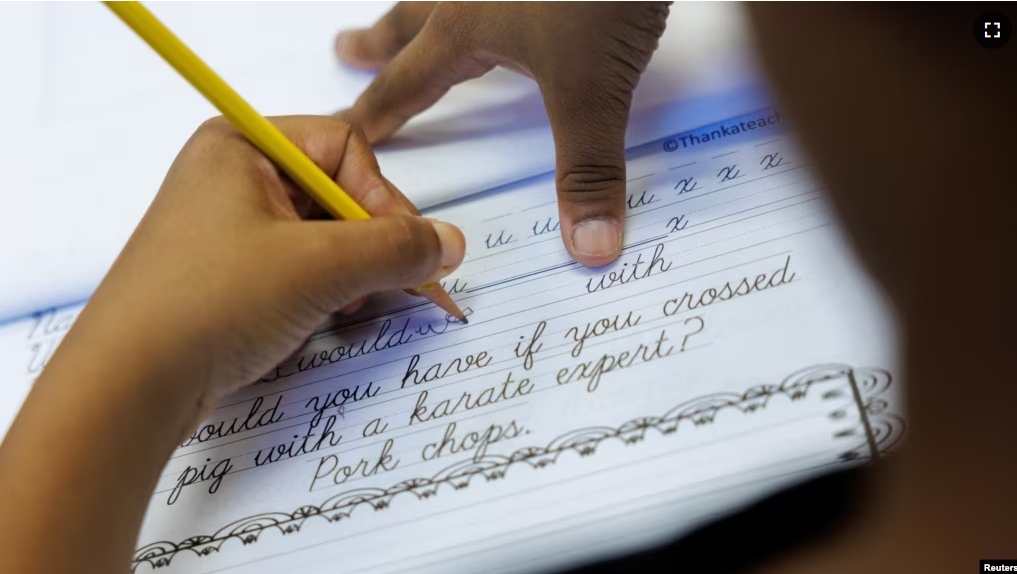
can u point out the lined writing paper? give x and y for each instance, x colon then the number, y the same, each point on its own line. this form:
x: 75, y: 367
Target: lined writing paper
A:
x: 735, y: 348
x: 100, y: 117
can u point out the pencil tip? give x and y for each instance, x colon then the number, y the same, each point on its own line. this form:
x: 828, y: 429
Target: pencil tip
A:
x: 439, y: 297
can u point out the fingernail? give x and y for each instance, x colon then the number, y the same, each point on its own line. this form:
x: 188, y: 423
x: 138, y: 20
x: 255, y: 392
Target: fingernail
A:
x: 453, y: 244
x: 596, y: 237
x: 341, y: 43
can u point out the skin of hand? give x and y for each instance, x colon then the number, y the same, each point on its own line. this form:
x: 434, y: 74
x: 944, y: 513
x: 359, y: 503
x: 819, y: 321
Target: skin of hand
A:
x: 586, y: 57
x: 222, y: 280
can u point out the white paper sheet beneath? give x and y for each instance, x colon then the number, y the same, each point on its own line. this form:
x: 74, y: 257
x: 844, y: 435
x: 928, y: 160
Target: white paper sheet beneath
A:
x: 96, y: 117
x: 735, y: 348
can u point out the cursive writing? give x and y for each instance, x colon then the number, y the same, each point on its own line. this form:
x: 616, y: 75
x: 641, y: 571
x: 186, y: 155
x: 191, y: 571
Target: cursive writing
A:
x: 440, y: 371
x: 338, y: 399
x: 193, y: 475
x: 634, y: 202
x: 686, y: 185
x: 220, y: 430
x: 729, y: 173
x: 300, y: 445
x: 635, y: 273
x: 454, y: 288
x: 509, y: 390
x: 532, y: 348
x: 592, y: 371
x: 547, y: 227
x: 771, y: 160
x: 383, y: 339
x: 598, y: 328
x: 443, y: 324
x: 48, y: 329
x: 329, y: 467
x: 49, y: 322
x: 708, y: 296
x: 491, y: 241
x: 475, y: 441
x: 676, y: 224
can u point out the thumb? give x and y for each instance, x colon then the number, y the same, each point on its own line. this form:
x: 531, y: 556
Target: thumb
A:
x: 588, y: 124
x: 334, y: 263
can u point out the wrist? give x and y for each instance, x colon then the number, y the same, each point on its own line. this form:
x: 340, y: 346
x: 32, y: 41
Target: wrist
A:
x: 128, y: 374
x: 90, y: 441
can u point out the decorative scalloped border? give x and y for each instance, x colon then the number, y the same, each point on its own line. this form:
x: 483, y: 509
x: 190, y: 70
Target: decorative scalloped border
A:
x: 882, y: 430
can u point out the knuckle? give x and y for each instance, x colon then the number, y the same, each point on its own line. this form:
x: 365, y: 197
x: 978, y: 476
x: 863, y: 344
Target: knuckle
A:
x: 214, y: 142
x: 389, y: 36
x: 591, y: 182
x: 623, y: 67
x: 630, y: 44
x: 642, y: 26
x: 650, y: 19
x: 403, y: 24
x: 324, y: 142
x: 450, y: 24
x: 217, y: 125
x: 414, y: 242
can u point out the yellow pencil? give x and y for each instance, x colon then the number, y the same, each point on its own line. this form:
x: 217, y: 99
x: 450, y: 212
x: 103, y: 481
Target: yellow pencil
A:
x: 265, y: 136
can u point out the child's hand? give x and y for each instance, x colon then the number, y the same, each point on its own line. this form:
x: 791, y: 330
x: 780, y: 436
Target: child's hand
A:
x: 223, y: 279
x: 585, y: 56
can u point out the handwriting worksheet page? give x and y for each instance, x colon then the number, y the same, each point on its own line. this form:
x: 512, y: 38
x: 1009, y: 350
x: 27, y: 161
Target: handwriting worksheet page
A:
x: 735, y: 348
x: 100, y: 117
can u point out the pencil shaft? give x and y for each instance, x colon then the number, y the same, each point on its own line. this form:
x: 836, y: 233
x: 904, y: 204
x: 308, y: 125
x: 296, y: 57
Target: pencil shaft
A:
x: 262, y: 133
x: 258, y: 130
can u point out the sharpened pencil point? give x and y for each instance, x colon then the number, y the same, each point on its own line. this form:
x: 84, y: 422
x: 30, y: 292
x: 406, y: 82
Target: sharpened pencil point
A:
x: 439, y: 297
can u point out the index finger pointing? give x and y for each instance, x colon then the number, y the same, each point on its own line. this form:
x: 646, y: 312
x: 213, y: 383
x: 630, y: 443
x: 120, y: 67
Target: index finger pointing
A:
x: 435, y: 60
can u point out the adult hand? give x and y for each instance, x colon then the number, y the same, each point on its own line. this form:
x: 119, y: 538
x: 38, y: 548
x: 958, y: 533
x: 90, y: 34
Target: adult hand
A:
x: 586, y: 58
